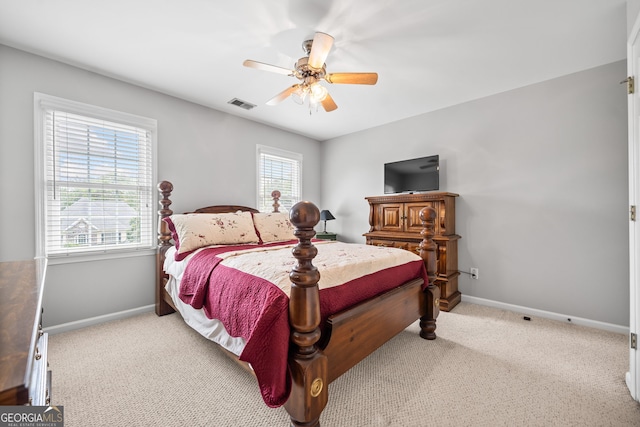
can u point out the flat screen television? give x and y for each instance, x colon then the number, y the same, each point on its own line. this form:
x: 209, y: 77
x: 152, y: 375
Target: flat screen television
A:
x: 411, y: 176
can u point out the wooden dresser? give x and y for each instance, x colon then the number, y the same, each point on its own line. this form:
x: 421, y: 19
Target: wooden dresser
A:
x: 395, y: 221
x: 24, y: 375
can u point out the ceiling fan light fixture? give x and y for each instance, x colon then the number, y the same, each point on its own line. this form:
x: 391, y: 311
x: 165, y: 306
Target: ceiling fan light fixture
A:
x: 309, y: 70
x: 318, y: 93
x: 300, y: 94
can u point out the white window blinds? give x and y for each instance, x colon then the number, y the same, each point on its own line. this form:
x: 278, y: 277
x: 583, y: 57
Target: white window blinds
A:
x: 278, y: 170
x: 97, y: 182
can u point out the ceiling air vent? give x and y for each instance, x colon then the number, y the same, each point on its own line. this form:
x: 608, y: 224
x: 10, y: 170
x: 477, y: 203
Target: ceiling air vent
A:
x: 240, y: 103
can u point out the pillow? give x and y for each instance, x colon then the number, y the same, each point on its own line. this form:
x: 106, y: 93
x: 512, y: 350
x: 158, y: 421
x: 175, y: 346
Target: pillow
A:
x: 193, y: 231
x: 274, y: 227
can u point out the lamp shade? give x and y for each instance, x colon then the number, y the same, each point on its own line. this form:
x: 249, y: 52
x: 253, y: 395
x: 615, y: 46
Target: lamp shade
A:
x: 326, y: 216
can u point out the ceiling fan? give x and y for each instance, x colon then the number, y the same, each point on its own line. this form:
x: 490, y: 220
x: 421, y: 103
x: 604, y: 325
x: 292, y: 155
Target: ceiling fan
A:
x: 310, y: 70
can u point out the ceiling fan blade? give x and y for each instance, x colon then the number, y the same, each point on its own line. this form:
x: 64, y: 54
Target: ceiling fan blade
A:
x: 328, y: 104
x: 352, y: 78
x: 320, y: 50
x: 282, y: 95
x: 267, y: 67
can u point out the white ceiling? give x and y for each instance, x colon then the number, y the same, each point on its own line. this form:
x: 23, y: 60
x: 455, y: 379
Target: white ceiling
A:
x: 429, y: 54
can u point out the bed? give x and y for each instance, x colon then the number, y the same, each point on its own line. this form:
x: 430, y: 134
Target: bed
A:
x: 261, y: 297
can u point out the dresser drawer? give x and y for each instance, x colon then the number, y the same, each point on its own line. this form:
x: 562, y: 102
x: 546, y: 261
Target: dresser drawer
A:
x: 40, y: 382
x: 388, y: 243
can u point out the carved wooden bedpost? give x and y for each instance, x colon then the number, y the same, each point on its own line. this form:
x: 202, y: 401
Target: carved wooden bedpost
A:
x: 308, y: 365
x: 164, y: 236
x: 275, y: 195
x: 428, y: 250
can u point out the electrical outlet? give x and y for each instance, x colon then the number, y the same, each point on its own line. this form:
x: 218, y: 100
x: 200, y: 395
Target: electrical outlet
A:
x: 474, y: 273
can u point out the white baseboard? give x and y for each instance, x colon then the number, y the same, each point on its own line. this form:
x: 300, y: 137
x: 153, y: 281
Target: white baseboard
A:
x: 65, y: 327
x: 548, y: 315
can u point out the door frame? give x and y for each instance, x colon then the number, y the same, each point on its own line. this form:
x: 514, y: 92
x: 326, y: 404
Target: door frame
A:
x: 633, y: 64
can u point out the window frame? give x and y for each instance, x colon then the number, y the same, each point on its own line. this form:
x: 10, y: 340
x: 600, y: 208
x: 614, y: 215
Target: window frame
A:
x: 44, y: 103
x: 284, y: 154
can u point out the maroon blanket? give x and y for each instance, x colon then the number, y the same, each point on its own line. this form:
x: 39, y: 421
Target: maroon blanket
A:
x: 258, y: 311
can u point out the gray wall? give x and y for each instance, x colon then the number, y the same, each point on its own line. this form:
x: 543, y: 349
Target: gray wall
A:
x: 633, y: 8
x: 541, y: 172
x: 542, y: 177
x: 208, y: 155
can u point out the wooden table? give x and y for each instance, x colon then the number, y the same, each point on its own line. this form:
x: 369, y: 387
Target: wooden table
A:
x: 24, y: 377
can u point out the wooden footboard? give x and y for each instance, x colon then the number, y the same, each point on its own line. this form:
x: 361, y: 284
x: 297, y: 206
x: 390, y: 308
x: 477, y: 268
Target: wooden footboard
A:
x: 353, y: 334
x: 367, y: 326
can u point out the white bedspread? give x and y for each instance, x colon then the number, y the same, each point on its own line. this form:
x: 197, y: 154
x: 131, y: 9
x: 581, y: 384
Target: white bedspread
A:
x: 212, y: 329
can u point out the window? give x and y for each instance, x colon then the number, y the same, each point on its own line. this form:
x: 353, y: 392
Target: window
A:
x: 94, y: 179
x: 278, y: 170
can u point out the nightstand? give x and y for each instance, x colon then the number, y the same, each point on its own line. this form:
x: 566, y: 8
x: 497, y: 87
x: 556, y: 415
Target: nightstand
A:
x: 326, y: 236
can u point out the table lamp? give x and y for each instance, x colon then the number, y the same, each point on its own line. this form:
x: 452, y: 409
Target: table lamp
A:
x: 326, y: 216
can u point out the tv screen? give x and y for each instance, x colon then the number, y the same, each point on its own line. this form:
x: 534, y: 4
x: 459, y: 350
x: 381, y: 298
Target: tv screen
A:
x: 410, y: 176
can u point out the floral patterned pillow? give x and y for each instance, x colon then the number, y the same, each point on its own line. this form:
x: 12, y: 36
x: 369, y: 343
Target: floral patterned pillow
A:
x: 274, y: 227
x: 193, y: 231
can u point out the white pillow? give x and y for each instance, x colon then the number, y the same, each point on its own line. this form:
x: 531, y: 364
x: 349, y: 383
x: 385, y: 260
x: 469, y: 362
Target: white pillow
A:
x: 193, y: 231
x: 274, y: 227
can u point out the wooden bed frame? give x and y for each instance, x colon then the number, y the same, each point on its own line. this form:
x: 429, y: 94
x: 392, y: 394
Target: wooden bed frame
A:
x: 317, y: 358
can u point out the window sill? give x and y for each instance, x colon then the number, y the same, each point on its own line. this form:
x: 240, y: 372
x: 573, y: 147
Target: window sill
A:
x: 97, y: 256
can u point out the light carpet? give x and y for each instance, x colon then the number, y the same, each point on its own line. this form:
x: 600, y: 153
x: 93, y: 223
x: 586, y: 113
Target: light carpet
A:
x: 488, y: 367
